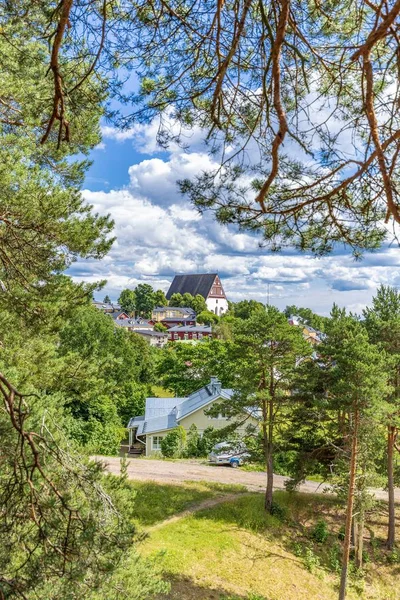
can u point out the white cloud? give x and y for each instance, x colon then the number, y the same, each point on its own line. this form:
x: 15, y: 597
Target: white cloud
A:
x: 160, y: 234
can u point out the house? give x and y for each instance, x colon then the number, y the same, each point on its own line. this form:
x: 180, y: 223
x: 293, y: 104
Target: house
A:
x: 112, y: 307
x: 310, y: 334
x: 171, y: 316
x: 207, y: 285
x: 176, y: 322
x: 164, y: 414
x: 189, y: 332
x: 120, y: 315
x: 154, y: 338
x: 144, y: 328
x: 161, y: 313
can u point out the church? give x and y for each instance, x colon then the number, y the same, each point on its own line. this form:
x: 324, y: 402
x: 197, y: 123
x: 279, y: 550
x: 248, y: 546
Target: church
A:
x: 207, y: 285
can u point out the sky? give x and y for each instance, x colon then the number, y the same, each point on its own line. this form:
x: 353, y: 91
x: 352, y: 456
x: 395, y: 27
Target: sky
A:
x: 159, y: 234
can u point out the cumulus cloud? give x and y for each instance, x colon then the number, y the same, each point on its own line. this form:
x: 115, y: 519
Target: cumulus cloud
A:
x: 160, y: 234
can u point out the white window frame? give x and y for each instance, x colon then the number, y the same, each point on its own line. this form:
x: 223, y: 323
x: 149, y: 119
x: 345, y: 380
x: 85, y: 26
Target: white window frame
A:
x: 156, y: 445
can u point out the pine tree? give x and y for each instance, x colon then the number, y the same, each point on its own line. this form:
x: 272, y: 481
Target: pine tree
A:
x: 383, y: 324
x: 266, y: 351
x: 356, y: 382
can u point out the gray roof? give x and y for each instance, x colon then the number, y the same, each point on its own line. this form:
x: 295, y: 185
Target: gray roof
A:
x: 106, y: 305
x: 117, y: 315
x: 151, y: 332
x: 180, y: 319
x: 192, y: 284
x: 165, y: 413
x: 135, y: 421
x: 183, y: 309
x: 155, y: 407
x: 157, y: 424
x: 200, y: 398
x: 188, y: 328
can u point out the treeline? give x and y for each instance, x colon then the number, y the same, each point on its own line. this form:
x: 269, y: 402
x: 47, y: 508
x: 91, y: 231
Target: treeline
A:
x: 330, y: 410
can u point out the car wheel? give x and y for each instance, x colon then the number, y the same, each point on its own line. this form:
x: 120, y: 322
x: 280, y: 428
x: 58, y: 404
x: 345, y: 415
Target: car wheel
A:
x: 234, y: 464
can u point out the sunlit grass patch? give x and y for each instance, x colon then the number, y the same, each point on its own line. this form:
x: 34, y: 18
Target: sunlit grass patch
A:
x: 236, y: 551
x: 155, y: 502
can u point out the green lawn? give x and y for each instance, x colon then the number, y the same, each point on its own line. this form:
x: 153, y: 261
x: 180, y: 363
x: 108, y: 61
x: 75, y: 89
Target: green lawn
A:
x: 234, y: 551
x: 155, y: 502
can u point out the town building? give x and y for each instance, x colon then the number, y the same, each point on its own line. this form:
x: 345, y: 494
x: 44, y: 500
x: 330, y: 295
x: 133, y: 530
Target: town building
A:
x: 108, y: 308
x: 189, y: 332
x: 144, y: 328
x: 207, y: 285
x: 147, y: 431
x: 161, y: 313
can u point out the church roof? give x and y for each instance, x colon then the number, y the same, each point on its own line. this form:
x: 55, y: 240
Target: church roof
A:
x: 192, y: 284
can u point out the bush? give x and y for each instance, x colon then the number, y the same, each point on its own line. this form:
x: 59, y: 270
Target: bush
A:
x: 284, y: 461
x: 173, y: 445
x: 193, y: 442
x: 320, y: 532
x: 334, y: 558
x: 207, y: 441
x: 278, y: 511
x: 311, y: 560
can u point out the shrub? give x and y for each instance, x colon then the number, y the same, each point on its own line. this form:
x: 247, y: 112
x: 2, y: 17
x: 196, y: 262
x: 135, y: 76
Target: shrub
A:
x: 334, y: 558
x: 207, y: 441
x: 173, y: 445
x: 393, y: 557
x: 320, y: 532
x: 278, y: 511
x: 311, y: 560
x: 193, y: 442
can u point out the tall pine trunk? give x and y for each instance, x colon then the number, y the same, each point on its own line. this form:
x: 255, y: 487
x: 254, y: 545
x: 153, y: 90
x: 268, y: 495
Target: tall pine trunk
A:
x: 269, y: 455
x: 349, y: 513
x: 392, y: 518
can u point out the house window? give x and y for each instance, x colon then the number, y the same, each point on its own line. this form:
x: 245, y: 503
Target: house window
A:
x: 176, y: 336
x: 185, y: 336
x: 200, y: 336
x: 156, y: 442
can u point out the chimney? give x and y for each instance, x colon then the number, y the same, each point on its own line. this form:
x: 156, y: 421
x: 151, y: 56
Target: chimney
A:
x: 215, y: 385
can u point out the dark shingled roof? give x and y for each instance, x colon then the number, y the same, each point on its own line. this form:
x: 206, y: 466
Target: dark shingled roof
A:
x: 192, y: 284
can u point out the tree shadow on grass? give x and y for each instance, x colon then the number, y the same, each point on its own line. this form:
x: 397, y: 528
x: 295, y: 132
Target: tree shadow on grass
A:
x: 184, y: 588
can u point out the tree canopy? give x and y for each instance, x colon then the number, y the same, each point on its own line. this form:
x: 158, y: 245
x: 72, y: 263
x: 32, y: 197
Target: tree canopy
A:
x: 288, y: 95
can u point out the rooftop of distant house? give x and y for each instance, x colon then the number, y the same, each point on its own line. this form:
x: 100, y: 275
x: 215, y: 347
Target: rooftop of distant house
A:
x: 200, y: 283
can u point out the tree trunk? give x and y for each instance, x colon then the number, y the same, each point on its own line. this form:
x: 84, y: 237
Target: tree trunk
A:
x: 349, y: 513
x: 392, y: 522
x: 269, y: 456
x: 360, y: 543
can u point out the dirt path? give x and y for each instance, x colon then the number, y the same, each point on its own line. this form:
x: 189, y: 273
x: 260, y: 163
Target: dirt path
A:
x: 196, y: 507
x: 176, y: 472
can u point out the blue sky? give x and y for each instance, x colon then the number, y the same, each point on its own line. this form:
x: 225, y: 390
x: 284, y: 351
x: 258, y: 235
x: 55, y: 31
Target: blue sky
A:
x: 160, y: 234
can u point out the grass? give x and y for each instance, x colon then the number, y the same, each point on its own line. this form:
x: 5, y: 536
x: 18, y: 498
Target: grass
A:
x: 235, y: 551
x: 156, y: 502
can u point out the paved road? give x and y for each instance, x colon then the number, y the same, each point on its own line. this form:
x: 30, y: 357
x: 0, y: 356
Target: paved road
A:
x: 175, y: 472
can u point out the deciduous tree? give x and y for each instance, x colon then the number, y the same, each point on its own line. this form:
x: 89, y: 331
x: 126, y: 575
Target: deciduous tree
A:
x: 127, y: 301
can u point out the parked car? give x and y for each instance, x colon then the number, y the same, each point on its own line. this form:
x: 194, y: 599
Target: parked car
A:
x: 226, y: 453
